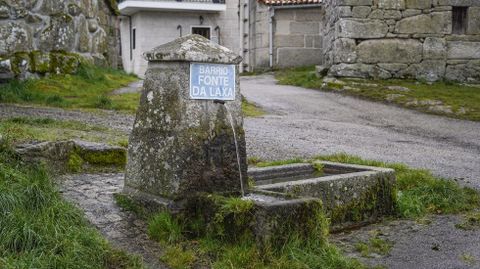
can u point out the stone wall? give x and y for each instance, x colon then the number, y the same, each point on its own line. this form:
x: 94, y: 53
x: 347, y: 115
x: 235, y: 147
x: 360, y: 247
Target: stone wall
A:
x: 46, y: 36
x: 402, y: 39
x: 297, y: 39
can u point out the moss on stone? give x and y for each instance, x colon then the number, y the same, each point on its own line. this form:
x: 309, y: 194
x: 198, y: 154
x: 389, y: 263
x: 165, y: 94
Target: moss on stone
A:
x: 74, y: 163
x: 113, y: 157
x: 17, y: 60
x: 365, y: 207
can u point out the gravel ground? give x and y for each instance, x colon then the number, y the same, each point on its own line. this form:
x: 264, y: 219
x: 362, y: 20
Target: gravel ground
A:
x: 112, y: 119
x: 304, y: 122
x: 94, y: 194
x: 437, y: 245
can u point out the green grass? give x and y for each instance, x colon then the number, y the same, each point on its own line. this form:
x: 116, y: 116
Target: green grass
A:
x: 418, y: 191
x: 471, y: 222
x: 244, y: 253
x: 187, y: 247
x: 38, y: 229
x: 90, y: 87
x: 24, y: 129
x: 374, y: 245
x: 250, y: 109
x: 462, y: 100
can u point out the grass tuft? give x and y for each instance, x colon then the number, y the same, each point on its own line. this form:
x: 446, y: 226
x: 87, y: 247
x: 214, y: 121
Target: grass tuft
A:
x: 26, y: 129
x: 250, y: 109
x: 38, y: 229
x: 88, y: 88
x: 165, y: 228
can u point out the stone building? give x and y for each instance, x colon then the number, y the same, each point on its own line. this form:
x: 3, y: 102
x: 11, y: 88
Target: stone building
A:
x: 147, y: 24
x: 283, y: 33
x: 46, y: 36
x: 422, y: 39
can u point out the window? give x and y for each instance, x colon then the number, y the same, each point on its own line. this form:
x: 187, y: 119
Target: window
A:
x: 459, y: 20
x: 134, y: 38
x: 203, y: 31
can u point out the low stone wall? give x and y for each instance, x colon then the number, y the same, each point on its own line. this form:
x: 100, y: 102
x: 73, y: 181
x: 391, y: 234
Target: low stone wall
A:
x: 403, y: 39
x: 35, y: 33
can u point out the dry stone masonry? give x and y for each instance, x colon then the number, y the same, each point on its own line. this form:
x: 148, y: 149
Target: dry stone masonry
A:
x: 426, y: 40
x: 46, y: 36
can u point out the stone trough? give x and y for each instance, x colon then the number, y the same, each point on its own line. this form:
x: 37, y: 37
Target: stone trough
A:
x: 352, y: 195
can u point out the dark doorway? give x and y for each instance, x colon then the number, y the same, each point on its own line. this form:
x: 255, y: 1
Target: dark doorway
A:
x: 203, y: 31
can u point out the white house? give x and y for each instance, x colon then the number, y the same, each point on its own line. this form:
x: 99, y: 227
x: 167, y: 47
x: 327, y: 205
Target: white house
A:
x: 145, y: 24
x: 266, y: 33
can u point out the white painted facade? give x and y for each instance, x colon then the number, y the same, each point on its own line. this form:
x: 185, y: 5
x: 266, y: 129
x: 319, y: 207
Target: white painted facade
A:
x: 157, y: 22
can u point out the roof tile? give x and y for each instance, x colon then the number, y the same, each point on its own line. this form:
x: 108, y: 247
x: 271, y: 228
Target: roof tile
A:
x: 290, y: 2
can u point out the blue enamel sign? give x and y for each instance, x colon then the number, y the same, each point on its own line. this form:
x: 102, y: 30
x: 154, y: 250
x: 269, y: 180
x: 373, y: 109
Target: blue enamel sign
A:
x: 212, y: 81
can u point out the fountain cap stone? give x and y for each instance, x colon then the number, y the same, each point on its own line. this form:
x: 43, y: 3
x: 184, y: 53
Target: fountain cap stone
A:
x: 192, y: 48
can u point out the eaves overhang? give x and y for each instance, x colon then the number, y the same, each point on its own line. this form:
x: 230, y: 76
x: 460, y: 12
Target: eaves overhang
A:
x: 130, y: 7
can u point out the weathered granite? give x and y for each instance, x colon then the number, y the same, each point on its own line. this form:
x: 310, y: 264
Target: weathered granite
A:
x: 390, y: 51
x: 401, y: 39
x: 192, y: 48
x: 179, y: 146
x: 76, y: 26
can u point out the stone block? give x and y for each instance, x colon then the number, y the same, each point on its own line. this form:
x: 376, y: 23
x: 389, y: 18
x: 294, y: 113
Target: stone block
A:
x: 354, y: 2
x: 393, y: 67
x: 15, y: 37
x: 292, y: 57
x: 390, y: 51
x: 344, y: 50
x: 309, y: 14
x: 376, y: 14
x: 391, y: 4
x: 429, y: 70
x: 282, y: 27
x: 59, y: 34
x: 284, y: 14
x: 313, y: 41
x: 433, y: 23
x: 289, y: 41
x: 361, y: 28
x: 469, y: 72
x: 411, y: 12
x: 358, y: 70
x: 434, y: 48
x: 463, y: 50
x: 361, y: 11
x: 344, y: 12
x: 304, y: 28
x: 418, y: 4
x: 392, y: 14
x: 473, y: 24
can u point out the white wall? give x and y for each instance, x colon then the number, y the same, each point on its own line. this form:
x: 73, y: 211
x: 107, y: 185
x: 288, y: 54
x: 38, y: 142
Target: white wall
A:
x: 155, y: 28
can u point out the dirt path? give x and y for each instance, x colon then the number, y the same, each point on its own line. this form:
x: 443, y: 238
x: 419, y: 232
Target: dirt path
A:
x: 93, y: 193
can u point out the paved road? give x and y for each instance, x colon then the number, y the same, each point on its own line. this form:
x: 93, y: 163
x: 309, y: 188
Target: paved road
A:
x: 304, y: 122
